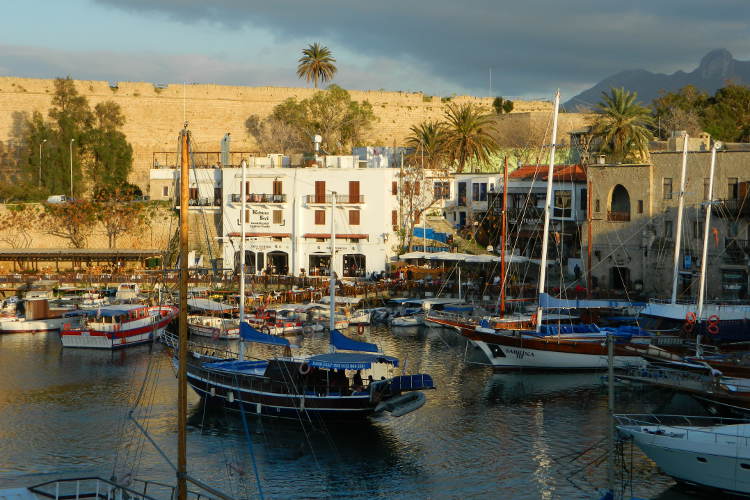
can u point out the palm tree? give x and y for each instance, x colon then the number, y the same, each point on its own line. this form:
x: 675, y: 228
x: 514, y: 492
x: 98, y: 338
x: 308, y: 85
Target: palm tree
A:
x: 468, y: 135
x: 623, y: 125
x: 316, y: 63
x: 428, y: 141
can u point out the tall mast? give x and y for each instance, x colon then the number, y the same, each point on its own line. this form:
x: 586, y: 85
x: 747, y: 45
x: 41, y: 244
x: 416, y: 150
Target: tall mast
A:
x: 589, y: 242
x: 678, y: 236
x: 704, y: 255
x: 503, y: 225
x: 332, y: 278
x: 243, y: 200
x: 547, y: 212
x: 182, y: 344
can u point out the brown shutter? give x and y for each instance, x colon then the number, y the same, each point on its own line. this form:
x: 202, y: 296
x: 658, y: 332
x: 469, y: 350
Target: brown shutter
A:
x: 354, y: 217
x: 247, y: 188
x: 277, y: 214
x: 247, y: 216
x: 416, y: 188
x: 394, y: 188
x: 277, y: 187
x: 416, y: 218
x: 320, y: 191
x: 353, y: 191
x: 320, y: 217
x: 394, y: 219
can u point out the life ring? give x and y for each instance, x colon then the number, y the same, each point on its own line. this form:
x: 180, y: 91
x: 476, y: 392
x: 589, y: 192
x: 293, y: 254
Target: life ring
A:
x: 714, y: 319
x: 713, y: 328
x: 691, y: 317
x: 304, y: 368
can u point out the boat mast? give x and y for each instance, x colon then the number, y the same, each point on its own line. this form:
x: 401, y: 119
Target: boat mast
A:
x: 243, y: 200
x: 678, y: 236
x: 182, y: 343
x: 589, y: 196
x: 332, y: 276
x: 547, y: 213
x: 704, y: 255
x: 503, y: 222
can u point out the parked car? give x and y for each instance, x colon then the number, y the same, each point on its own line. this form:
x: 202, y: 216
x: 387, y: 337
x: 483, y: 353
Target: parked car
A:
x: 59, y: 198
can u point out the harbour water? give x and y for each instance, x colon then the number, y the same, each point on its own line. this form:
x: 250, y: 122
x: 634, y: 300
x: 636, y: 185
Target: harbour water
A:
x: 63, y: 413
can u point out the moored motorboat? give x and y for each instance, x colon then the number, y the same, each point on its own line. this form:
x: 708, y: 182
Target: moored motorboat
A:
x: 119, y: 326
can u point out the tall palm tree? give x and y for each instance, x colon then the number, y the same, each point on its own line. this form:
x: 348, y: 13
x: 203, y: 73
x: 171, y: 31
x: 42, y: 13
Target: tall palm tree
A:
x: 316, y: 63
x: 623, y: 125
x: 468, y: 135
x: 428, y: 141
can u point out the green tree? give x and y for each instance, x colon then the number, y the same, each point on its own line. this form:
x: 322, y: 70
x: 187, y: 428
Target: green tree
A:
x: 497, y: 105
x: 73, y: 221
x: 508, y: 106
x: 622, y: 125
x: 316, y: 64
x: 681, y: 110
x: 468, y: 136
x: 428, y: 140
x: 727, y: 115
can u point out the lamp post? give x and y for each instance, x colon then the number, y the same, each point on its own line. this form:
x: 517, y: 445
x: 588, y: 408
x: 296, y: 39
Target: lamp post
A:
x: 71, y: 167
x: 39, y: 179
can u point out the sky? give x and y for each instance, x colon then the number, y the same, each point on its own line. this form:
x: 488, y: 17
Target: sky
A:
x: 439, y: 47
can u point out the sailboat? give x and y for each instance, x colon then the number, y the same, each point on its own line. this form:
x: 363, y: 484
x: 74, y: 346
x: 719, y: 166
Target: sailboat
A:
x: 533, y: 345
x: 314, y: 386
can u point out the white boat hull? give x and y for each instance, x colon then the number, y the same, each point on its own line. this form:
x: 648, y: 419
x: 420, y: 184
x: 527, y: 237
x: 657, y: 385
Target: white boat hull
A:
x: 35, y: 326
x: 407, y: 321
x: 507, y: 357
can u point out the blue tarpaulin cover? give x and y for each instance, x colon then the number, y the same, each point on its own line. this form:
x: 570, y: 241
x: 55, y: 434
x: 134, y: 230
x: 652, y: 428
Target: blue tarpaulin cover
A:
x: 239, y: 366
x: 250, y: 334
x: 430, y: 234
x: 341, y: 341
x: 349, y: 360
x: 458, y: 308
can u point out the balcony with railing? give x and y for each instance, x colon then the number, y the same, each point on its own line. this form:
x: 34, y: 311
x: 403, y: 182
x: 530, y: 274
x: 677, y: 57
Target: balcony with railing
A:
x: 343, y: 199
x: 618, y: 216
x: 525, y: 214
x: 200, y: 202
x: 736, y: 251
x: 733, y: 207
x: 260, y: 198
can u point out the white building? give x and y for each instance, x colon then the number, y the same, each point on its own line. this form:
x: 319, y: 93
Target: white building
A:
x: 468, y: 194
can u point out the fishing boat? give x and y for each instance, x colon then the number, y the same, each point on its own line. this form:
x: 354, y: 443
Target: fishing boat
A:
x: 118, y: 326
x: 210, y: 320
x: 708, y: 452
x: 36, y: 316
x: 311, y: 386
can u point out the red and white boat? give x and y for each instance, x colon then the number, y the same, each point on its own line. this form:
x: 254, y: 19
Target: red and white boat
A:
x: 117, y: 326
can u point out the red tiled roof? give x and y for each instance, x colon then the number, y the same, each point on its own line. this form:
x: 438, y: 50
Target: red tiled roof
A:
x: 574, y: 173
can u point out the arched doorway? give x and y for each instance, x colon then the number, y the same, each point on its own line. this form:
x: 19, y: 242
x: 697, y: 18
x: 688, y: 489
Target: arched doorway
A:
x: 249, y: 262
x: 355, y: 265
x: 319, y: 264
x: 278, y: 262
x: 619, y: 205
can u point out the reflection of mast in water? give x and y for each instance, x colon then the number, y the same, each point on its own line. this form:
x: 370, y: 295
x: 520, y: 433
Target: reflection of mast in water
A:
x: 540, y: 454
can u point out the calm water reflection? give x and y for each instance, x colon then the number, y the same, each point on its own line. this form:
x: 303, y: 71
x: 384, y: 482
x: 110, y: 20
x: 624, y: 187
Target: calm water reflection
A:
x: 481, y: 435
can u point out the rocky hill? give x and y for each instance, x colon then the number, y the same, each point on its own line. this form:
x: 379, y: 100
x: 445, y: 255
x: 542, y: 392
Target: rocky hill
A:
x: 714, y: 71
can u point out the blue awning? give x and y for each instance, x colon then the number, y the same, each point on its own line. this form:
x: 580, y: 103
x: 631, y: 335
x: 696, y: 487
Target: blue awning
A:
x: 458, y: 308
x: 115, y: 310
x: 341, y: 341
x: 250, y: 334
x: 349, y: 360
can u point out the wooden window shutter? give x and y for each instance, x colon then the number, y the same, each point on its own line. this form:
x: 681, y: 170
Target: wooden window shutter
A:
x: 320, y: 191
x: 247, y: 216
x: 320, y: 217
x: 353, y: 191
x: 394, y: 219
x: 277, y: 187
x: 416, y: 188
x: 354, y: 217
x: 277, y: 217
x: 394, y: 188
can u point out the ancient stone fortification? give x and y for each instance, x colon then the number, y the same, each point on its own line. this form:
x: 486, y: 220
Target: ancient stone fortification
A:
x: 155, y: 115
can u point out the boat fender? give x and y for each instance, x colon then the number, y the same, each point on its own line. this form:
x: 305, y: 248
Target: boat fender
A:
x: 304, y: 369
x: 213, y: 391
x: 230, y: 397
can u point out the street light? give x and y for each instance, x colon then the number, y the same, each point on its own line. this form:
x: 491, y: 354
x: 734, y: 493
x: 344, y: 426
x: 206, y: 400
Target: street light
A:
x: 71, y: 168
x: 39, y: 179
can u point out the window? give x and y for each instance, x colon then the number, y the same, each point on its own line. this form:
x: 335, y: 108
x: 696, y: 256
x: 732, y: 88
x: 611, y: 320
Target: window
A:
x: 583, y: 200
x: 461, y: 194
x: 668, y: 229
x: 394, y: 188
x: 247, y: 216
x: 354, y: 217
x: 194, y: 193
x: 278, y: 187
x: 597, y: 206
x: 667, y: 188
x: 441, y: 190
x: 394, y: 219
x: 732, y: 193
x: 698, y: 227
x: 320, y: 191
x: 165, y: 191
x: 320, y: 217
x: 562, y: 204
x: 247, y: 187
x: 217, y: 196
x: 483, y: 191
x: 475, y: 191
x: 278, y: 217
x: 320, y: 240
x: 353, y: 191
x: 640, y: 206
x: 706, y: 182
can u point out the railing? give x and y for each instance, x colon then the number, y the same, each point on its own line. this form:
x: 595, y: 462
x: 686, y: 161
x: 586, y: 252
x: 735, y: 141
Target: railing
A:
x: 340, y: 198
x: 531, y: 214
x: 686, y: 425
x: 260, y: 198
x: 618, y: 216
x: 87, y: 487
x: 732, y: 207
x: 201, y: 202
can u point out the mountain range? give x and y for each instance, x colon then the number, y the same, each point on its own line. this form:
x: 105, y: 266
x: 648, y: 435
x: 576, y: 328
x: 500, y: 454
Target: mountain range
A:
x: 714, y: 71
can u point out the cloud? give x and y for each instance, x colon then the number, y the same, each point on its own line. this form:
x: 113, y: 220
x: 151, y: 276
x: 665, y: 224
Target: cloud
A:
x: 533, y: 46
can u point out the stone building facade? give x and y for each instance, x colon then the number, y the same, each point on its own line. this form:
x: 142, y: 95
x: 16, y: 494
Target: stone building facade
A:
x: 634, y: 224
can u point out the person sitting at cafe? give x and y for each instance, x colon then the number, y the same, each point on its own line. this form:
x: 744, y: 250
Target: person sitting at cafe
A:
x: 357, y: 384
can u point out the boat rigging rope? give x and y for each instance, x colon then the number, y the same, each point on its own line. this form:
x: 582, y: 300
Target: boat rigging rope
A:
x: 249, y: 439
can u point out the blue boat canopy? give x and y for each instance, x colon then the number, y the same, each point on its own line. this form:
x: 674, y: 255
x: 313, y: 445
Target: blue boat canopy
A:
x: 349, y: 360
x: 341, y: 341
x: 548, y: 302
x: 458, y: 308
x: 250, y: 334
x: 115, y: 310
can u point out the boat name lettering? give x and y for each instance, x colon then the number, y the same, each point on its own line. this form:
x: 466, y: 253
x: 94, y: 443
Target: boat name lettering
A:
x: 520, y: 354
